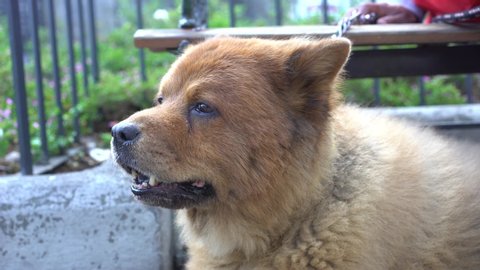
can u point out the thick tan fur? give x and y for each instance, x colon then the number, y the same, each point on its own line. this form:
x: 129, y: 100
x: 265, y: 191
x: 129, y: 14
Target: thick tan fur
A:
x: 302, y: 181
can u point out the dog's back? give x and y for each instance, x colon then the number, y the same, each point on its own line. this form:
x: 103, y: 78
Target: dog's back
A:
x: 422, y: 192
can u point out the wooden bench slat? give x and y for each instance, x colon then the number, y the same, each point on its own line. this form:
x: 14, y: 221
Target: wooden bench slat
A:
x: 163, y: 39
x: 423, y: 60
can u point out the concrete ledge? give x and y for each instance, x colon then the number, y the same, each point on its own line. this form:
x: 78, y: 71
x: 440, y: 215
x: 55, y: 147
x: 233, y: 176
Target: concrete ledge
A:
x: 458, y: 121
x: 82, y: 220
x: 436, y: 115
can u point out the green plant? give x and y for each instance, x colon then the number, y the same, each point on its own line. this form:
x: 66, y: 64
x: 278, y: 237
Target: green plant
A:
x: 398, y: 92
x: 440, y: 91
x: 105, y: 138
x: 119, y: 93
x: 404, y: 91
x: 8, y: 131
x: 358, y: 91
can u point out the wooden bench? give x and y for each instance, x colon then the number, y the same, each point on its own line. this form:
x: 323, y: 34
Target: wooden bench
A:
x: 415, y: 49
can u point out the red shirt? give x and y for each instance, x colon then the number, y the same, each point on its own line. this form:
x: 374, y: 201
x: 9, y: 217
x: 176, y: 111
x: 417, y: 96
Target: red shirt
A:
x: 439, y: 7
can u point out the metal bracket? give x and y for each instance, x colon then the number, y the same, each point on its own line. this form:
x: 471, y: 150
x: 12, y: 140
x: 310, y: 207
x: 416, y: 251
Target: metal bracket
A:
x: 194, y: 14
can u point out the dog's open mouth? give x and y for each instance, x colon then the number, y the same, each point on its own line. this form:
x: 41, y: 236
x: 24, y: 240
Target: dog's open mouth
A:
x: 173, y: 195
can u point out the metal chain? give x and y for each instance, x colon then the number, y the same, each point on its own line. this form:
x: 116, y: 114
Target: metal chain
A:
x: 458, y: 16
x: 355, y: 18
x: 344, y: 24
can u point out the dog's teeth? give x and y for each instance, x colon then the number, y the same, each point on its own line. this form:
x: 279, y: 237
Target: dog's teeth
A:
x: 199, y: 183
x: 152, y: 181
x: 144, y: 184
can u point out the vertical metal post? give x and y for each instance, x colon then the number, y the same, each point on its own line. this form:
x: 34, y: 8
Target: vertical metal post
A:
x: 93, y: 42
x: 325, y: 11
x: 201, y: 13
x: 38, y: 81
x: 376, y: 83
x: 83, y: 46
x: 73, y: 78
x: 231, y: 9
x: 16, y: 48
x: 56, y: 71
x: 194, y: 14
x: 376, y: 92
x: 278, y: 12
x: 421, y: 87
x: 187, y: 21
x: 141, y: 52
x: 469, y: 88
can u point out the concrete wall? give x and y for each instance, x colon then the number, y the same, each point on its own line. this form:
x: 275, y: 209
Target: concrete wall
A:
x: 82, y: 220
x: 466, y: 116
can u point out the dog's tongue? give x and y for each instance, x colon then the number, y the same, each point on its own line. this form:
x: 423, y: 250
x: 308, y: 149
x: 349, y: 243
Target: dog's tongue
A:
x: 198, y: 183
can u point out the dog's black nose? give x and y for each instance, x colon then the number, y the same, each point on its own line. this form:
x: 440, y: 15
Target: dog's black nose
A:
x: 125, y: 132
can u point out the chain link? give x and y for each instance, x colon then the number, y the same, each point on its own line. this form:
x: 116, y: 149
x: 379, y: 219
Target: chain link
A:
x: 355, y: 18
x: 371, y: 18
x: 458, y: 16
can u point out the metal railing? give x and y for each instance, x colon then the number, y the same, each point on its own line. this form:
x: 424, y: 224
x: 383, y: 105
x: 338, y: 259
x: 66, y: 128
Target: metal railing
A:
x: 16, y: 46
x: 194, y: 15
x: 90, y: 72
x: 18, y: 71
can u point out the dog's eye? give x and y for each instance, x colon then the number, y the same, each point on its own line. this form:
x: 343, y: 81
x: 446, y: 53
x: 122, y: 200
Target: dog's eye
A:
x: 160, y: 100
x: 203, y: 109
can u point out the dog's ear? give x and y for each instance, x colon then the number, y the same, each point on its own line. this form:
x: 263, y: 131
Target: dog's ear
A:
x: 313, y: 69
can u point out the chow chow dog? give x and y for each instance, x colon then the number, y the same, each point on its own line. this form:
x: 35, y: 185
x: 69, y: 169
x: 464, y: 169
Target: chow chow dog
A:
x: 250, y: 141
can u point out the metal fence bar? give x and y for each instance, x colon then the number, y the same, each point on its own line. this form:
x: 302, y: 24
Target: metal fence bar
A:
x: 421, y: 88
x: 187, y: 21
x: 376, y: 92
x: 141, y: 52
x: 231, y: 10
x: 325, y: 12
x: 194, y: 14
x: 469, y: 88
x: 56, y: 71
x: 278, y: 12
x: 93, y: 42
x: 73, y: 77
x: 376, y: 83
x: 83, y: 46
x: 16, y: 48
x: 38, y: 81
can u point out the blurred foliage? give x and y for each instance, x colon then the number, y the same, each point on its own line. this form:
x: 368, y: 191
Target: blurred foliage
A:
x: 405, y: 91
x: 119, y: 92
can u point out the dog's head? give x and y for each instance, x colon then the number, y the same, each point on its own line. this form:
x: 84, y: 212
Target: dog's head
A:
x: 228, y: 117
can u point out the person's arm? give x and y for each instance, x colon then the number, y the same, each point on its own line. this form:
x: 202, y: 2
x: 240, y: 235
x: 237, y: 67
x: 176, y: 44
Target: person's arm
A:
x: 410, y: 5
x: 393, y: 13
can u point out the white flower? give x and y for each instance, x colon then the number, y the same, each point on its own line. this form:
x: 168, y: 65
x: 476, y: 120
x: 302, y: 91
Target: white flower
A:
x: 161, y: 14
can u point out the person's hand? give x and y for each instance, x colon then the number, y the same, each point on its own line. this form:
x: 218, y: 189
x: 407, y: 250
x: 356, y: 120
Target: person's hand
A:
x: 388, y: 13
